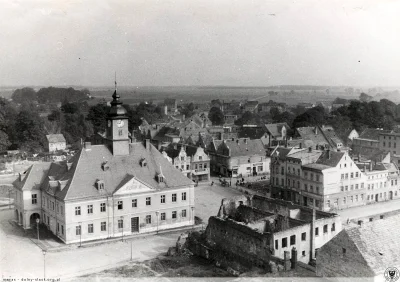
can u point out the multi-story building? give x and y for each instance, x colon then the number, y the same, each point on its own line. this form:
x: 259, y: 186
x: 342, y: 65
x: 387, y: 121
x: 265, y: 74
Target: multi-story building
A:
x: 389, y: 141
x: 192, y: 161
x: 251, y: 106
x: 116, y: 189
x: 367, y: 142
x: 238, y: 157
x: 329, y: 180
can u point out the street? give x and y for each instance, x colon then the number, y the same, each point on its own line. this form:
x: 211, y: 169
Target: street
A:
x: 21, y: 258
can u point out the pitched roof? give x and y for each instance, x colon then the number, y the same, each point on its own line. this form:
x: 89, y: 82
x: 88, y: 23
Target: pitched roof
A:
x: 332, y: 160
x: 55, y: 138
x: 313, y: 135
x: 372, y: 133
x: 252, y: 132
x: 87, y: 169
x: 245, y: 147
x: 33, y: 176
x: 275, y: 129
x: 378, y: 242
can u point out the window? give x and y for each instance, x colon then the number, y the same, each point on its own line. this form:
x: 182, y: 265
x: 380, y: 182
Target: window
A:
x: 163, y: 216
x: 77, y: 210
x: 341, y: 188
x: 182, y: 158
x: 58, y: 208
x: 352, y: 175
x: 120, y: 223
x: 184, y: 196
x: 187, y: 167
x: 174, y: 214
x: 346, y: 176
x: 174, y: 197
x: 52, y: 206
x: 351, y: 187
x: 344, y: 200
x: 148, y: 201
x: 200, y: 158
x: 183, y: 213
x: 120, y: 132
x: 316, y: 231
x: 303, y: 236
x: 148, y: 219
x: 326, y: 228
x: 134, y: 203
x: 305, y: 187
x: 58, y: 227
x: 284, y: 242
x: 62, y: 229
x: 78, y: 230
x: 90, y: 228
x: 303, y: 253
x: 103, y: 226
x: 342, y: 176
x: 317, y: 176
x: 102, y: 207
x: 90, y: 209
x: 356, y: 186
x: 292, y: 240
x: 356, y: 174
x: 343, y: 250
x: 62, y: 210
x: 162, y: 199
x: 44, y: 200
x: 34, y: 199
x: 276, y: 244
x: 120, y: 205
x: 333, y: 227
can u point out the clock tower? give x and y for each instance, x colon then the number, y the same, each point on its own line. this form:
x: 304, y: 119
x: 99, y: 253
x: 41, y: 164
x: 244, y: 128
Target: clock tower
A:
x: 117, y: 127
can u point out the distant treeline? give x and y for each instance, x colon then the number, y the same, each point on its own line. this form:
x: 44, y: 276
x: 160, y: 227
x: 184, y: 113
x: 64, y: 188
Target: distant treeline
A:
x: 50, y: 95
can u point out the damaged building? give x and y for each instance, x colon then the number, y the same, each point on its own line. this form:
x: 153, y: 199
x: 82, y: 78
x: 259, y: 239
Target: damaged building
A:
x: 255, y: 230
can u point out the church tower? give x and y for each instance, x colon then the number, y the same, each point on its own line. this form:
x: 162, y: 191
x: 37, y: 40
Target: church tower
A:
x: 117, y: 127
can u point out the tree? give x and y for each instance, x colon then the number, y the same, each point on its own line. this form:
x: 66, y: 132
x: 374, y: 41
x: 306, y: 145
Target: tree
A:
x: 216, y: 116
x: 188, y: 110
x: 98, y: 117
x: 29, y: 131
x: 365, y: 97
x: 312, y: 117
x: 287, y: 117
x: 23, y: 95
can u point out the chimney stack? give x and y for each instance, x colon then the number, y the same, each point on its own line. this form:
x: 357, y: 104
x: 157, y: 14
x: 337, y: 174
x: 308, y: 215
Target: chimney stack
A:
x: 316, y: 130
x: 309, y: 149
x: 329, y: 154
x: 370, y: 166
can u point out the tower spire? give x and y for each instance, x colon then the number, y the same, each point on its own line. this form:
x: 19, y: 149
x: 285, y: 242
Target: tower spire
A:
x: 115, y: 81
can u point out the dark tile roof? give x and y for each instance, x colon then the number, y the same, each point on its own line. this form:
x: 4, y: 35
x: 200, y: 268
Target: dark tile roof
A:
x: 372, y: 133
x: 275, y: 129
x: 245, y: 147
x: 378, y: 242
x: 252, y: 132
x: 332, y: 160
x: 87, y: 169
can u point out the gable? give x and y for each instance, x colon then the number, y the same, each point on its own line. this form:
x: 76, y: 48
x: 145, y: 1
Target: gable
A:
x: 132, y: 186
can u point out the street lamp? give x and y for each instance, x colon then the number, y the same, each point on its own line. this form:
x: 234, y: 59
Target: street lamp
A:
x: 122, y: 219
x: 37, y: 227
x: 44, y: 264
x: 80, y: 234
x: 157, y: 220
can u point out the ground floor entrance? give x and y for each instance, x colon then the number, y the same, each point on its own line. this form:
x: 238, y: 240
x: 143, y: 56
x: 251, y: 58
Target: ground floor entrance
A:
x: 135, y: 224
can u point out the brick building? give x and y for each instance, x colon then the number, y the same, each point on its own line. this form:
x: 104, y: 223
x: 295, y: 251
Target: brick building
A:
x: 258, y: 229
x: 116, y: 189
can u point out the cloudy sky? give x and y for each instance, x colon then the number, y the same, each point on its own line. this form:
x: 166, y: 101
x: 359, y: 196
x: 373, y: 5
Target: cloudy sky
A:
x: 205, y: 42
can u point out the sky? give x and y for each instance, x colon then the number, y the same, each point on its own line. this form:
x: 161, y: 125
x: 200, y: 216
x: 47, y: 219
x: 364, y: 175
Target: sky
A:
x: 202, y: 43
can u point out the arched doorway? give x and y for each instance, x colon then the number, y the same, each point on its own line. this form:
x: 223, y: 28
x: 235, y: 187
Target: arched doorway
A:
x: 32, y: 220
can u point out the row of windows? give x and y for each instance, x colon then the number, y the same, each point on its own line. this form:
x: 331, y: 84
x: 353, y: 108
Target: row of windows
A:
x: 389, y: 144
x: 352, y: 175
x: 350, y: 199
x: 103, y: 225
x: 120, y: 204
x: 352, y: 187
x: 379, y: 196
x: 51, y: 205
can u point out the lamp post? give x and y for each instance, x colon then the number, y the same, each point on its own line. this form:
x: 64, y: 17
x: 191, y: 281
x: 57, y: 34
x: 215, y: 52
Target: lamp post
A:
x: 122, y: 220
x: 44, y: 264
x: 131, y: 250
x: 37, y: 227
x: 193, y: 215
x: 157, y: 220
x: 80, y: 234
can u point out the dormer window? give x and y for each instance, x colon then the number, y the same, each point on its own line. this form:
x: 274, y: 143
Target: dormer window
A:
x: 143, y: 162
x: 160, y: 179
x: 100, y: 185
x: 105, y: 166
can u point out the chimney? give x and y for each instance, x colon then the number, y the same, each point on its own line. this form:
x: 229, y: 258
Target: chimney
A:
x: 286, y: 142
x: 309, y: 149
x: 301, y: 146
x: 359, y: 157
x: 316, y: 130
x: 370, y: 166
x: 147, y: 144
x: 360, y: 223
x: 312, y: 236
x: 88, y: 146
x: 329, y: 154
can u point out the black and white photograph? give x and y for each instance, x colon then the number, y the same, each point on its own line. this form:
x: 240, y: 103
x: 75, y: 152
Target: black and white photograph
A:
x: 199, y: 140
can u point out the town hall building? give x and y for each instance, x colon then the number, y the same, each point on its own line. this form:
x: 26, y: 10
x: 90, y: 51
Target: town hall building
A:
x: 116, y: 189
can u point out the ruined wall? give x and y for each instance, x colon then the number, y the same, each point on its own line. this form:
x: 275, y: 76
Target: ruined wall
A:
x: 238, y: 242
x: 323, y: 237
x: 228, y: 206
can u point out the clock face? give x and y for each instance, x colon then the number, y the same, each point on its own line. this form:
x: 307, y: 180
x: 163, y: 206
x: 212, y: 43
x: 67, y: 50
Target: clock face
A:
x: 120, y: 123
x: 109, y: 123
